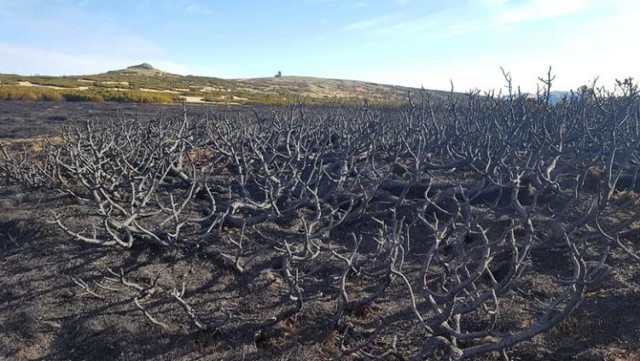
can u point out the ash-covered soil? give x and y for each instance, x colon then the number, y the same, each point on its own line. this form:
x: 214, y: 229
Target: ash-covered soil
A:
x: 62, y: 299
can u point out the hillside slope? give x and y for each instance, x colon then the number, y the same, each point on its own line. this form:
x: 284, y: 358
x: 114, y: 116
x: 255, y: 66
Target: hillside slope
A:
x: 167, y: 87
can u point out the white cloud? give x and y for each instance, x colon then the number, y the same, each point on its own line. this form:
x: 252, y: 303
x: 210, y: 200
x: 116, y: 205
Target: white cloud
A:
x: 478, y: 15
x: 494, y: 3
x: 195, y: 8
x: 538, y: 10
x: 375, y: 23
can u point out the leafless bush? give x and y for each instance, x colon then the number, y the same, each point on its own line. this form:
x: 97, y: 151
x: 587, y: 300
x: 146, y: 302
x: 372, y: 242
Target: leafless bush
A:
x: 442, y: 203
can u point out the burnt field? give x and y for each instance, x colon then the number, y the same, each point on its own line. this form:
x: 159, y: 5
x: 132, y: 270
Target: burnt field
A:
x: 479, y: 228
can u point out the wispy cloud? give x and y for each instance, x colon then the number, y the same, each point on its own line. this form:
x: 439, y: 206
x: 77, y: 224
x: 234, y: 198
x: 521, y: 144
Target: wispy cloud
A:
x: 537, y: 10
x: 477, y: 15
x: 375, y: 23
x: 195, y: 8
x: 403, y: 24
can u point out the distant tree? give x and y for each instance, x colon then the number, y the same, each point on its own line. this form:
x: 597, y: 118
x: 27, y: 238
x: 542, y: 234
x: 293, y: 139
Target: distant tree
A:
x: 279, y: 74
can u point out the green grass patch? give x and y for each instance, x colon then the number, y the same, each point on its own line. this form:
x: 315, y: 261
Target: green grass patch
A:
x: 34, y: 93
x: 18, y: 92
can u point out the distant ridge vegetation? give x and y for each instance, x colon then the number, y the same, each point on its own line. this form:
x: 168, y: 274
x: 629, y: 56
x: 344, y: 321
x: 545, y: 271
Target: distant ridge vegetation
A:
x: 145, y: 83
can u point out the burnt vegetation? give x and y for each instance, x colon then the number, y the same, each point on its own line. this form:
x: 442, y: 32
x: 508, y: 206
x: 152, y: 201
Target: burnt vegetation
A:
x: 446, y: 230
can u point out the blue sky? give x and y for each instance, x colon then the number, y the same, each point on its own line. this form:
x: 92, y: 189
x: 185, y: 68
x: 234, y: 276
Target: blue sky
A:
x: 404, y: 42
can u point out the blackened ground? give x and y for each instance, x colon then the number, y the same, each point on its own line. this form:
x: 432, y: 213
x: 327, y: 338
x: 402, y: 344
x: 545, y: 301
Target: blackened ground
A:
x: 46, y: 315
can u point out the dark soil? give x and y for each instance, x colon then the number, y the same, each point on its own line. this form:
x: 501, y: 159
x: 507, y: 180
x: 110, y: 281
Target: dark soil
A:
x: 46, y: 314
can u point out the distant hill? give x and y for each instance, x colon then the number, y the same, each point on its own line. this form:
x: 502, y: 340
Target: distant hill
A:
x: 143, y: 69
x: 557, y: 95
x: 554, y: 96
x: 143, y: 78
